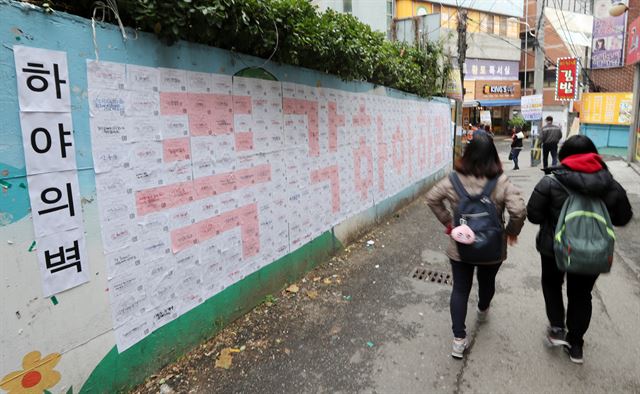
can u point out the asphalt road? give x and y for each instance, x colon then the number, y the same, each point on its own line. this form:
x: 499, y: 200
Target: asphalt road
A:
x: 373, y: 328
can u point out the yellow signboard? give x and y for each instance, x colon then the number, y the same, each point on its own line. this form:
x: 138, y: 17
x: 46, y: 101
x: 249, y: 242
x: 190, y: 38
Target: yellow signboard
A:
x: 606, y: 108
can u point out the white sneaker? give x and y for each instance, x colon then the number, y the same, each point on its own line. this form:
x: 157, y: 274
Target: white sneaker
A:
x: 459, y: 346
x: 483, y: 316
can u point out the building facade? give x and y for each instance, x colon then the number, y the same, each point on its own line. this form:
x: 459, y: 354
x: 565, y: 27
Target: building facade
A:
x: 619, y: 79
x: 567, y: 33
x: 492, y: 56
x: 378, y: 14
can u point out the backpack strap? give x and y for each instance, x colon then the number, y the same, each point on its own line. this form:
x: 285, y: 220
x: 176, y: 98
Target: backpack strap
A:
x: 457, y: 185
x: 557, y: 181
x: 488, y: 188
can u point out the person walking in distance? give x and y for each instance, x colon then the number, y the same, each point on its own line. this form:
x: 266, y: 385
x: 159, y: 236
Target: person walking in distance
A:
x: 581, y: 173
x: 516, y: 146
x: 549, y: 137
x: 478, y: 193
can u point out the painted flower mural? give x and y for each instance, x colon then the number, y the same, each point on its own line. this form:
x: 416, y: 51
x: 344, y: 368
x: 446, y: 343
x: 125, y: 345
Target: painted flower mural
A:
x: 37, y: 375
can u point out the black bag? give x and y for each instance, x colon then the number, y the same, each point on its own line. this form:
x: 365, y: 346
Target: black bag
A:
x: 480, y: 213
x: 511, y: 155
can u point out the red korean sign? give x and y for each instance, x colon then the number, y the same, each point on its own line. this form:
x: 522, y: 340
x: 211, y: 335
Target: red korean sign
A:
x: 567, y: 79
x: 633, y: 47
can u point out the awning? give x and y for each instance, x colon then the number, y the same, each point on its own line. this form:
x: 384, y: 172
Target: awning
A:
x: 468, y: 104
x: 498, y: 103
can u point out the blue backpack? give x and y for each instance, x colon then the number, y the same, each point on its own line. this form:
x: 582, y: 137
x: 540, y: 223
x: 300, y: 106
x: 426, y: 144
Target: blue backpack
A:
x: 480, y: 213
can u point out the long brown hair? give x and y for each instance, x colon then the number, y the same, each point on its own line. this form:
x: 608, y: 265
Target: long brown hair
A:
x: 480, y: 158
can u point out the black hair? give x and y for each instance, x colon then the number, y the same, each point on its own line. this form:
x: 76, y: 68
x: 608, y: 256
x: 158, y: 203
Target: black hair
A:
x: 575, y: 145
x: 480, y: 158
x: 549, y: 118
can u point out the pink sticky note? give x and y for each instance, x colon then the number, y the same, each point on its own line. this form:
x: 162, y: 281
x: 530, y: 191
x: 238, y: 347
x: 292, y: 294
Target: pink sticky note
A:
x: 363, y: 184
x: 335, y: 121
x: 201, y: 125
x: 200, y: 103
x: 242, y: 105
x: 244, y: 141
x: 183, y: 238
x: 176, y: 149
x: 152, y: 200
x: 180, y: 194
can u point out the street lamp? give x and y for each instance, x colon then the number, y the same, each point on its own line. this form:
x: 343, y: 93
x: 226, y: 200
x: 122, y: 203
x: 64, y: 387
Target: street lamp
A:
x: 618, y: 8
x: 526, y: 48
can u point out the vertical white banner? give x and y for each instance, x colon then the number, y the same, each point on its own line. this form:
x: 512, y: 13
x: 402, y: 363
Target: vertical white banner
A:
x: 50, y: 160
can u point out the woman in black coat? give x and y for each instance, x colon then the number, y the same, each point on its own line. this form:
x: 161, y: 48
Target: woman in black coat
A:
x: 583, y: 171
x: 516, y: 145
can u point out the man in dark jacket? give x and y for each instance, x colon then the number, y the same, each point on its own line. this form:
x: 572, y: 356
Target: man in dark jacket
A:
x: 549, y: 137
x: 581, y: 171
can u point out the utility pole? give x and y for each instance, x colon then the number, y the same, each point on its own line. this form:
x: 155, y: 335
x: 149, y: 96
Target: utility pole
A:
x: 538, y: 73
x: 634, y: 129
x: 462, y: 44
x: 462, y: 57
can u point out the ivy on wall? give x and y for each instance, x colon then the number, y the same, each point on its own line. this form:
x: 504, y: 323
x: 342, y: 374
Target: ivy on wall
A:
x: 329, y: 41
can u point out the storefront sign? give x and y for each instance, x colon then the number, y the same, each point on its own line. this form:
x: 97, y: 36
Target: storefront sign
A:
x: 490, y: 70
x: 531, y: 107
x: 496, y: 90
x: 567, y: 79
x: 607, y: 50
x: 606, y: 108
x: 633, y: 47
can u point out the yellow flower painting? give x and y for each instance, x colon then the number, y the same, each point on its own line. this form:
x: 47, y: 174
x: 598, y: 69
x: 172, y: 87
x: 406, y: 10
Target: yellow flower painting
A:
x: 36, y: 376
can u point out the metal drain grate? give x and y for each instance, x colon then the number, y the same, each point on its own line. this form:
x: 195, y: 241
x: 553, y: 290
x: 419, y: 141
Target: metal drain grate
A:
x: 432, y: 276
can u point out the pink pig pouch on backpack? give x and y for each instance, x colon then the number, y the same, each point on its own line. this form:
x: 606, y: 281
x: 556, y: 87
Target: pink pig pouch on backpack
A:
x: 463, y: 234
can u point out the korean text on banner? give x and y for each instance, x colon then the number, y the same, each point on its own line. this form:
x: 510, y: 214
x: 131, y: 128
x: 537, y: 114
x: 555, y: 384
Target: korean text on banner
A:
x: 607, y: 49
x: 49, y: 150
x: 567, y: 79
x: 633, y: 47
x: 531, y: 107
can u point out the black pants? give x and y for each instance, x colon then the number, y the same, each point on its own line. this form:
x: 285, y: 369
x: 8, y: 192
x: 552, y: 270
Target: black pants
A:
x: 515, y: 152
x: 579, y: 299
x: 462, y: 281
x: 549, y: 148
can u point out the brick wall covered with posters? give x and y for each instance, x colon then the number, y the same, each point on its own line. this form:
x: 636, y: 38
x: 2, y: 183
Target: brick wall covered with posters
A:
x: 617, y: 79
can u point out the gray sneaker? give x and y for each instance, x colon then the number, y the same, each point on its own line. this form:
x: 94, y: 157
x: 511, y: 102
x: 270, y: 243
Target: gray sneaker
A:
x: 483, y: 316
x: 459, y: 346
x: 556, y: 336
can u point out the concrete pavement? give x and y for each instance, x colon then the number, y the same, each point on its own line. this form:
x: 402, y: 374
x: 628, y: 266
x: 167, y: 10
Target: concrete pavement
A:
x: 362, y: 323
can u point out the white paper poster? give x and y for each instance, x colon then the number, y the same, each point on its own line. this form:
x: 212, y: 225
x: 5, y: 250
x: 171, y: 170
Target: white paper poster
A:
x: 50, y: 160
x: 63, y: 262
x: 47, y: 139
x: 43, y: 80
x: 531, y: 107
x: 485, y: 117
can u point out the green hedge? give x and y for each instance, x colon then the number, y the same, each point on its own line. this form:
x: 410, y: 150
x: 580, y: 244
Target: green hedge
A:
x: 327, y: 41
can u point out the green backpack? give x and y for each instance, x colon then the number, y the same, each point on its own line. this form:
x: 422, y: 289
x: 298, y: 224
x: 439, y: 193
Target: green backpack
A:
x: 584, y: 239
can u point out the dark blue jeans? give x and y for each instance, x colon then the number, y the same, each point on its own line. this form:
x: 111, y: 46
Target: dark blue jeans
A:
x: 515, y: 152
x: 546, y: 149
x: 462, y: 281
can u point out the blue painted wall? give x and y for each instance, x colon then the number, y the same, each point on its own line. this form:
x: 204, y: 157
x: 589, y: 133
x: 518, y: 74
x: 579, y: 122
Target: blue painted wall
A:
x: 606, y: 136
